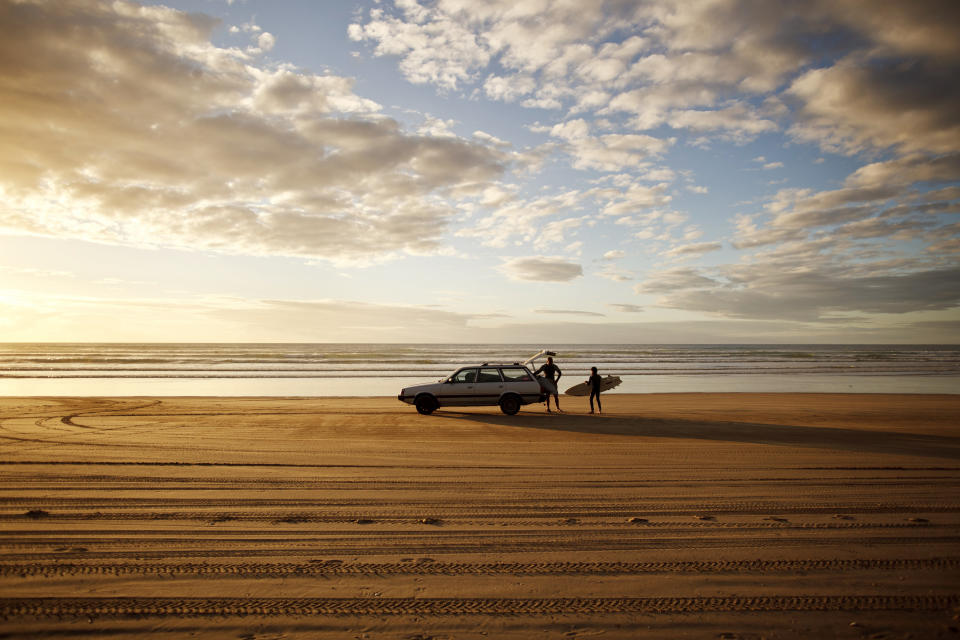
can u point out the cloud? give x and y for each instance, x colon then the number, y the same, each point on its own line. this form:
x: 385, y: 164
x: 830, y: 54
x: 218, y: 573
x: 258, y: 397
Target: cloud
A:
x: 884, y: 197
x: 286, y: 91
x: 626, y: 308
x: 433, y: 48
x: 614, y: 254
x: 266, y: 41
x: 508, y: 89
x: 907, y: 170
x: 648, y: 58
x: 125, y: 124
x: 571, y: 130
x: 634, y: 199
x: 855, y: 106
x: 674, y: 279
x: 568, y: 312
x: 489, y: 139
x: 756, y: 291
x: 881, y: 244
x: 612, y: 152
x: 541, y: 269
x: 554, y: 232
x: 695, y: 249
x: 738, y: 120
x: 523, y: 219
x: 657, y: 61
x: 844, y: 76
x: 612, y: 272
x: 922, y: 29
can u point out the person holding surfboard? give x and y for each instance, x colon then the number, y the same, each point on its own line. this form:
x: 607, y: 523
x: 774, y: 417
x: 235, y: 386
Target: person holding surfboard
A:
x: 549, y: 370
x: 595, y: 381
x: 592, y: 387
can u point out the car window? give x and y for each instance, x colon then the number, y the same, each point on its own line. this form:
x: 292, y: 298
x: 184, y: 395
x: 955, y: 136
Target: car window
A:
x: 515, y: 375
x: 465, y: 375
x: 489, y: 375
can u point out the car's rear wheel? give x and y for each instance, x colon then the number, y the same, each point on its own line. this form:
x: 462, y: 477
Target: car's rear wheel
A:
x: 425, y: 404
x: 510, y: 405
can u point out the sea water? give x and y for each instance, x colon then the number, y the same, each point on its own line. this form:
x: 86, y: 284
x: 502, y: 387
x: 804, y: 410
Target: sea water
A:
x: 384, y: 369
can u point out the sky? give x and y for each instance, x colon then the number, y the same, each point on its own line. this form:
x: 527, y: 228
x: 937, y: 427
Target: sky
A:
x: 515, y: 171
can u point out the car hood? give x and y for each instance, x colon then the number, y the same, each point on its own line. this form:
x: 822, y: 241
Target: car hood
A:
x: 427, y: 387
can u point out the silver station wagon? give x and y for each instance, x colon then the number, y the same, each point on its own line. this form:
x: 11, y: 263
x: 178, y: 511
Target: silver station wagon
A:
x: 508, y: 385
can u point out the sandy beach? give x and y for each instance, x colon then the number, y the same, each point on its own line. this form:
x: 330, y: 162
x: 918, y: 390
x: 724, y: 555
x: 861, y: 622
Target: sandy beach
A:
x: 670, y: 515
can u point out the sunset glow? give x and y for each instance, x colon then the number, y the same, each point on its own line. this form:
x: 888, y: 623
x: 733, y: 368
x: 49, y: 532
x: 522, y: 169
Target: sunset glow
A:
x: 495, y: 171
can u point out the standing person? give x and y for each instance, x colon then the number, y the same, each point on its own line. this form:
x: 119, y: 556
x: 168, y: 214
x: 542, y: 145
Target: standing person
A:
x: 595, y: 381
x: 549, y: 370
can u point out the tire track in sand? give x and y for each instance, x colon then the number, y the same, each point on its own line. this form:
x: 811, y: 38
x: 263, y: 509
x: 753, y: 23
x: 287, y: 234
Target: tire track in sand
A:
x: 221, y: 607
x: 334, y: 568
x: 439, y: 546
x: 485, y: 509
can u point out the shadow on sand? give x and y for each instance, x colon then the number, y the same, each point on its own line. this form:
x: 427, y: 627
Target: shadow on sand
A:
x: 859, y: 440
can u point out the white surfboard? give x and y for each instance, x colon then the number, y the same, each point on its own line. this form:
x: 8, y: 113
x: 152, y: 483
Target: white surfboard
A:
x: 583, y: 389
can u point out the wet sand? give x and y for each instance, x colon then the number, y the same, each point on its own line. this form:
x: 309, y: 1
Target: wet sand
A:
x: 670, y: 515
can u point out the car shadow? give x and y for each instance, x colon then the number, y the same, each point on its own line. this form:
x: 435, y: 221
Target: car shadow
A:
x: 858, y: 440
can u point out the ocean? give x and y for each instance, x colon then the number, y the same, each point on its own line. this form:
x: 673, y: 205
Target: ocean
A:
x: 214, y: 369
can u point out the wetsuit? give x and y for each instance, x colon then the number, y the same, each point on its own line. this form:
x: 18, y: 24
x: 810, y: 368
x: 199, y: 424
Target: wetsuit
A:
x: 595, y: 382
x: 549, y: 370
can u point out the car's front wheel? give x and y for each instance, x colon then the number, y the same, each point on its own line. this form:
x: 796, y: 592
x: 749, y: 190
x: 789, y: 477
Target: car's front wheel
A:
x: 510, y: 405
x: 425, y: 404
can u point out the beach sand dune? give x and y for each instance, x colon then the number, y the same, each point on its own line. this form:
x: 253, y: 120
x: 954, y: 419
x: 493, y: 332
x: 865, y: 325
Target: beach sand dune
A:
x: 673, y: 515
